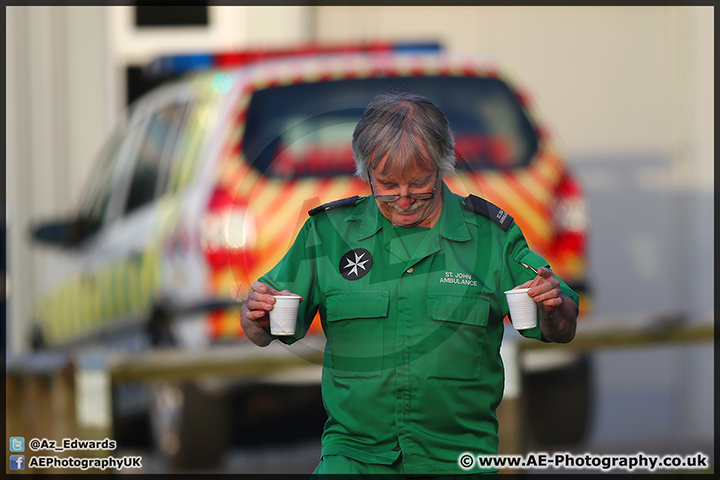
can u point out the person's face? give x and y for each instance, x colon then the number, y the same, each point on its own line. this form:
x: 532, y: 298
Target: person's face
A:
x: 407, y: 211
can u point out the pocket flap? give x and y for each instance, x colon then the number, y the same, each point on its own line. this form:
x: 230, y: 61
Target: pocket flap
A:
x: 459, y: 309
x: 346, y: 305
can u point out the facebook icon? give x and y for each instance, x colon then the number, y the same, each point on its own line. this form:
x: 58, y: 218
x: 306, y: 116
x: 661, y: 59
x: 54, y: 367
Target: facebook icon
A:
x: 17, y: 462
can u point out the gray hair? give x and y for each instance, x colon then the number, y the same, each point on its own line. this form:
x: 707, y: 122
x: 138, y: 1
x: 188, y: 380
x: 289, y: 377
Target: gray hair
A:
x: 409, y: 129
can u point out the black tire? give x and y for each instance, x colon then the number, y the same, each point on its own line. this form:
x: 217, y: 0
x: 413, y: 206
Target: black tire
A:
x: 558, y: 403
x: 159, y: 329
x: 37, y: 340
x: 188, y: 425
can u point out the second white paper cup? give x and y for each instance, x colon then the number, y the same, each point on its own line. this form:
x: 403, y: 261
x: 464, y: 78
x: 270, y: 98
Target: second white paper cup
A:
x: 283, y: 316
x: 523, y: 309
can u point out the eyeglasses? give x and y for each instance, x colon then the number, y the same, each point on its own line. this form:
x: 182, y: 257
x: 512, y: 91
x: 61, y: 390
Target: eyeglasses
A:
x: 415, y: 196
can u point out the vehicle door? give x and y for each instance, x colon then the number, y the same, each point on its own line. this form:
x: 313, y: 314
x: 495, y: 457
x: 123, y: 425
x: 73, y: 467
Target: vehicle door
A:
x: 127, y: 264
x: 70, y: 311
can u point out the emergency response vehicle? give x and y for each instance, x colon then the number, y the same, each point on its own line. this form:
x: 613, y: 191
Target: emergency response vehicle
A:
x: 205, y: 184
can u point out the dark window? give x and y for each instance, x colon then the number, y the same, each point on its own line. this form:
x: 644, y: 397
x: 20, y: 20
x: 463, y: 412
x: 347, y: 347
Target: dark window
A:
x: 171, y: 16
x: 306, y: 129
x: 103, y: 181
x: 156, y: 146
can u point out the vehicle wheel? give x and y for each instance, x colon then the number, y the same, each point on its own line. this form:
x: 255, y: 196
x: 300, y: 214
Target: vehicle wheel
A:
x: 159, y: 329
x: 37, y: 340
x: 189, y: 426
x: 558, y: 403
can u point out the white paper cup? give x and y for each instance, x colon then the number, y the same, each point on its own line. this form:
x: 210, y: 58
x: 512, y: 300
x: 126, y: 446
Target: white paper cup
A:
x: 523, y: 309
x: 283, y: 316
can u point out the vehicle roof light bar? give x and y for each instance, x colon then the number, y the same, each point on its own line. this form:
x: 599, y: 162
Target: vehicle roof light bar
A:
x: 169, y: 65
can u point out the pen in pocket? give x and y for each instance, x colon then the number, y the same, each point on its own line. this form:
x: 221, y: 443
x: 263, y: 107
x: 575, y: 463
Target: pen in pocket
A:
x: 531, y: 268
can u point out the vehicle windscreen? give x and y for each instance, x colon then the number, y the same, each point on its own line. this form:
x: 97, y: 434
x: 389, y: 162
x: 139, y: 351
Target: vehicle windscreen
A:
x: 306, y: 129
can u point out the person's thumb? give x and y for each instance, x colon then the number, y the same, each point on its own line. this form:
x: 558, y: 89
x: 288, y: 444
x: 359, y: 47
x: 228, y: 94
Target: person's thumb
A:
x: 545, y: 272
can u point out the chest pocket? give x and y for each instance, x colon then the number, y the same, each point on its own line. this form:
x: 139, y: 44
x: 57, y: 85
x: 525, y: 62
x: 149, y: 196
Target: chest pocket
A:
x: 355, y: 324
x: 460, y: 322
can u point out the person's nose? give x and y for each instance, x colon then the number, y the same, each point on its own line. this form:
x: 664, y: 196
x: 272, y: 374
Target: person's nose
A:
x: 405, y: 202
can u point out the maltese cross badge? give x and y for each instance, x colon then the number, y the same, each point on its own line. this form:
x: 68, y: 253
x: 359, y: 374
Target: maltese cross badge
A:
x: 355, y: 264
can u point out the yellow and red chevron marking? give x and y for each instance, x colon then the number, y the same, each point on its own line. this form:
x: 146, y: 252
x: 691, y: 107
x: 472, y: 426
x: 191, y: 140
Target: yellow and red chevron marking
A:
x: 527, y: 195
x: 282, y: 217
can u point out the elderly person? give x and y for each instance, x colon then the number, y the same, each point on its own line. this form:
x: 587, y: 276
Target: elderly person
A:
x: 409, y: 284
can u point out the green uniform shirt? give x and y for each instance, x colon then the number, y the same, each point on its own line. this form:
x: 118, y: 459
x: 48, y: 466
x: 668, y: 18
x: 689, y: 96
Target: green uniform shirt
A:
x: 412, y: 361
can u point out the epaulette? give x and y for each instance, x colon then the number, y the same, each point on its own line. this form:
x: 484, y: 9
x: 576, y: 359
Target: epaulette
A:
x: 345, y: 202
x: 492, y: 211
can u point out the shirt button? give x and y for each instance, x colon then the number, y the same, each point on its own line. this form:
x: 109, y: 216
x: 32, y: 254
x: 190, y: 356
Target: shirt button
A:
x: 410, y: 270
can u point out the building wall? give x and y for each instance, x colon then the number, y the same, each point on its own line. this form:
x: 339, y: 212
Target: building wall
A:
x: 61, y: 95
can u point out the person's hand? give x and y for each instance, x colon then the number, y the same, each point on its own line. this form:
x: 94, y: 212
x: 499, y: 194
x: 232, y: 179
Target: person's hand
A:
x: 261, y: 300
x: 254, y: 316
x: 544, y: 289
